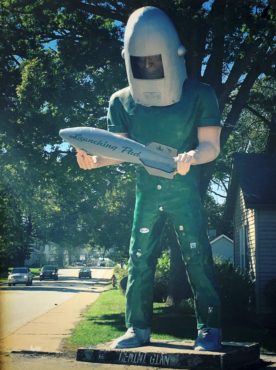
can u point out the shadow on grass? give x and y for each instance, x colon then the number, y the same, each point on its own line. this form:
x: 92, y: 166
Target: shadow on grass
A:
x: 168, y: 321
x: 171, y: 321
x: 180, y: 324
x: 116, y: 320
x: 165, y: 323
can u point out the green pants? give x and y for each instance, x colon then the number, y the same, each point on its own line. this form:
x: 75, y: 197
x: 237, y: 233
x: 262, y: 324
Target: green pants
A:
x: 155, y: 203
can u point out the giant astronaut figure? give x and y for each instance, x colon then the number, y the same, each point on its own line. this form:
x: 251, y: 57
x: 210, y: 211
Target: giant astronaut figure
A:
x: 162, y: 105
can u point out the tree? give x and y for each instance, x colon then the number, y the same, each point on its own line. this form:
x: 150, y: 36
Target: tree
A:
x: 15, y: 233
x: 253, y: 134
x: 60, y: 64
x: 46, y: 86
x: 114, y: 218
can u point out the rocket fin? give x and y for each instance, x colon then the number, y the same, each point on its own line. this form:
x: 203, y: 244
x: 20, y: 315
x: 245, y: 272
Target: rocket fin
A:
x: 162, y: 148
x: 158, y: 160
x: 156, y: 172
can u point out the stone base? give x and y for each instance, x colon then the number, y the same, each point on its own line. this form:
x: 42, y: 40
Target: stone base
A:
x: 176, y: 355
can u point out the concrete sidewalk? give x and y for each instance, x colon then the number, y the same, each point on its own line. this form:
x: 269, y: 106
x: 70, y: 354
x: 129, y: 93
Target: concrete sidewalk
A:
x: 27, y: 362
x: 34, y: 362
x: 46, y: 332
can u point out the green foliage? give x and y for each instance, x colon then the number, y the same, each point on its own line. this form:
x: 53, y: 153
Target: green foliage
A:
x: 236, y: 292
x: 161, y: 279
x: 56, y: 75
x: 121, y: 276
x: 163, y: 263
x: 114, y: 218
x: 214, y: 213
x: 120, y: 273
x: 235, y: 288
x: 15, y: 233
x: 59, y: 65
x: 187, y: 306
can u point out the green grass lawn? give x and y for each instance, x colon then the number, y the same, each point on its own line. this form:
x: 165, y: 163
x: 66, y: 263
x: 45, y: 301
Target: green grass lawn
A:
x: 104, y: 320
x: 35, y: 270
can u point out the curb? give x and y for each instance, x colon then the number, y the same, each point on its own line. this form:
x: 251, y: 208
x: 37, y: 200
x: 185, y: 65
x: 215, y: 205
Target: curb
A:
x: 38, y: 353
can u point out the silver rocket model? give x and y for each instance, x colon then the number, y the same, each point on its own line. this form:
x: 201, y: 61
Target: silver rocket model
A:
x: 156, y: 158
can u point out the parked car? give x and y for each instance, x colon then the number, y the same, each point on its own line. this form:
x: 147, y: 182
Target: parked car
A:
x: 85, y: 273
x: 20, y: 275
x: 49, y: 272
x: 80, y: 263
x: 101, y: 263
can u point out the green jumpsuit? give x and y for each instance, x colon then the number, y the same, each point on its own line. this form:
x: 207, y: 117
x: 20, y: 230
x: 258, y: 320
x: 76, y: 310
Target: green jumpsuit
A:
x: 158, y: 199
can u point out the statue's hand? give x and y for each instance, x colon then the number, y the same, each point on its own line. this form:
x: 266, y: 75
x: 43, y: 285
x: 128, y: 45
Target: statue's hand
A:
x: 85, y: 161
x: 184, y: 162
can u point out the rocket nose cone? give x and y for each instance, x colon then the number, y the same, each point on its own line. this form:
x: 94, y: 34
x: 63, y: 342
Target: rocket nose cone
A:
x: 61, y: 133
x: 64, y: 133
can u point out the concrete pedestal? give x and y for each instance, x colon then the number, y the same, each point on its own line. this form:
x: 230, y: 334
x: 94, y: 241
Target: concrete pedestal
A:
x: 176, y: 355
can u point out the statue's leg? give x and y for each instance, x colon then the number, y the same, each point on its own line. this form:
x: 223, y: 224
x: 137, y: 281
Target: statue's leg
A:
x: 144, y: 249
x: 190, y: 226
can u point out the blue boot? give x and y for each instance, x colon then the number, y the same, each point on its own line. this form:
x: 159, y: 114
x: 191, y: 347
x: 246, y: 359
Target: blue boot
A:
x: 134, y: 337
x: 209, y: 339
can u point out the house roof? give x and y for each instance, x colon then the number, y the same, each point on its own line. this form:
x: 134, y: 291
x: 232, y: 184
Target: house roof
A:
x: 222, y: 236
x: 257, y: 178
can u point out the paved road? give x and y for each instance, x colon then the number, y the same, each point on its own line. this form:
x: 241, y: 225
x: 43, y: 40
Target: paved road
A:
x: 21, y: 304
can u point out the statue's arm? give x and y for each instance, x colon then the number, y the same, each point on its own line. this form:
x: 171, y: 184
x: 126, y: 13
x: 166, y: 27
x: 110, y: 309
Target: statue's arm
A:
x: 90, y: 162
x: 207, y: 150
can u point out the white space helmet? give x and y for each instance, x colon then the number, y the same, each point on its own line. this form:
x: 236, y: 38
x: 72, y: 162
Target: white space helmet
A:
x: 154, y: 58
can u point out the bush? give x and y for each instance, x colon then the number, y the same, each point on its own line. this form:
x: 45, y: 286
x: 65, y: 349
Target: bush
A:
x: 160, y: 289
x: 186, y: 306
x: 121, y: 276
x: 123, y: 284
x: 120, y: 272
x: 234, y: 286
x: 270, y: 293
x: 235, y: 289
x: 161, y: 279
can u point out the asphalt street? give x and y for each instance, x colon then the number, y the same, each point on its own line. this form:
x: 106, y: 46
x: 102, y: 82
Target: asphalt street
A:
x: 21, y: 304
x: 39, y: 316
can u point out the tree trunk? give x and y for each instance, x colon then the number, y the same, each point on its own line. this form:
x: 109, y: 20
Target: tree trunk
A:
x: 230, y: 204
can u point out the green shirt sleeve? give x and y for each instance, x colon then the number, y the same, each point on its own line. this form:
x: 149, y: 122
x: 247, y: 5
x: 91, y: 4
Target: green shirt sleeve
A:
x: 116, y: 116
x: 209, y: 114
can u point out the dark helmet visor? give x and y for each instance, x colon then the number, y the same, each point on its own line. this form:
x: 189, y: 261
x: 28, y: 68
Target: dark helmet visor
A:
x: 147, y: 68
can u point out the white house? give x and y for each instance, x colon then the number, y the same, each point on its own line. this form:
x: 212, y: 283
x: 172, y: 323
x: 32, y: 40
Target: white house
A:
x: 223, y: 248
x: 255, y: 222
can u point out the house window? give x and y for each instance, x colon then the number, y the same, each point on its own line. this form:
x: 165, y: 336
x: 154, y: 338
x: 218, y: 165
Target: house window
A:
x: 243, y: 247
